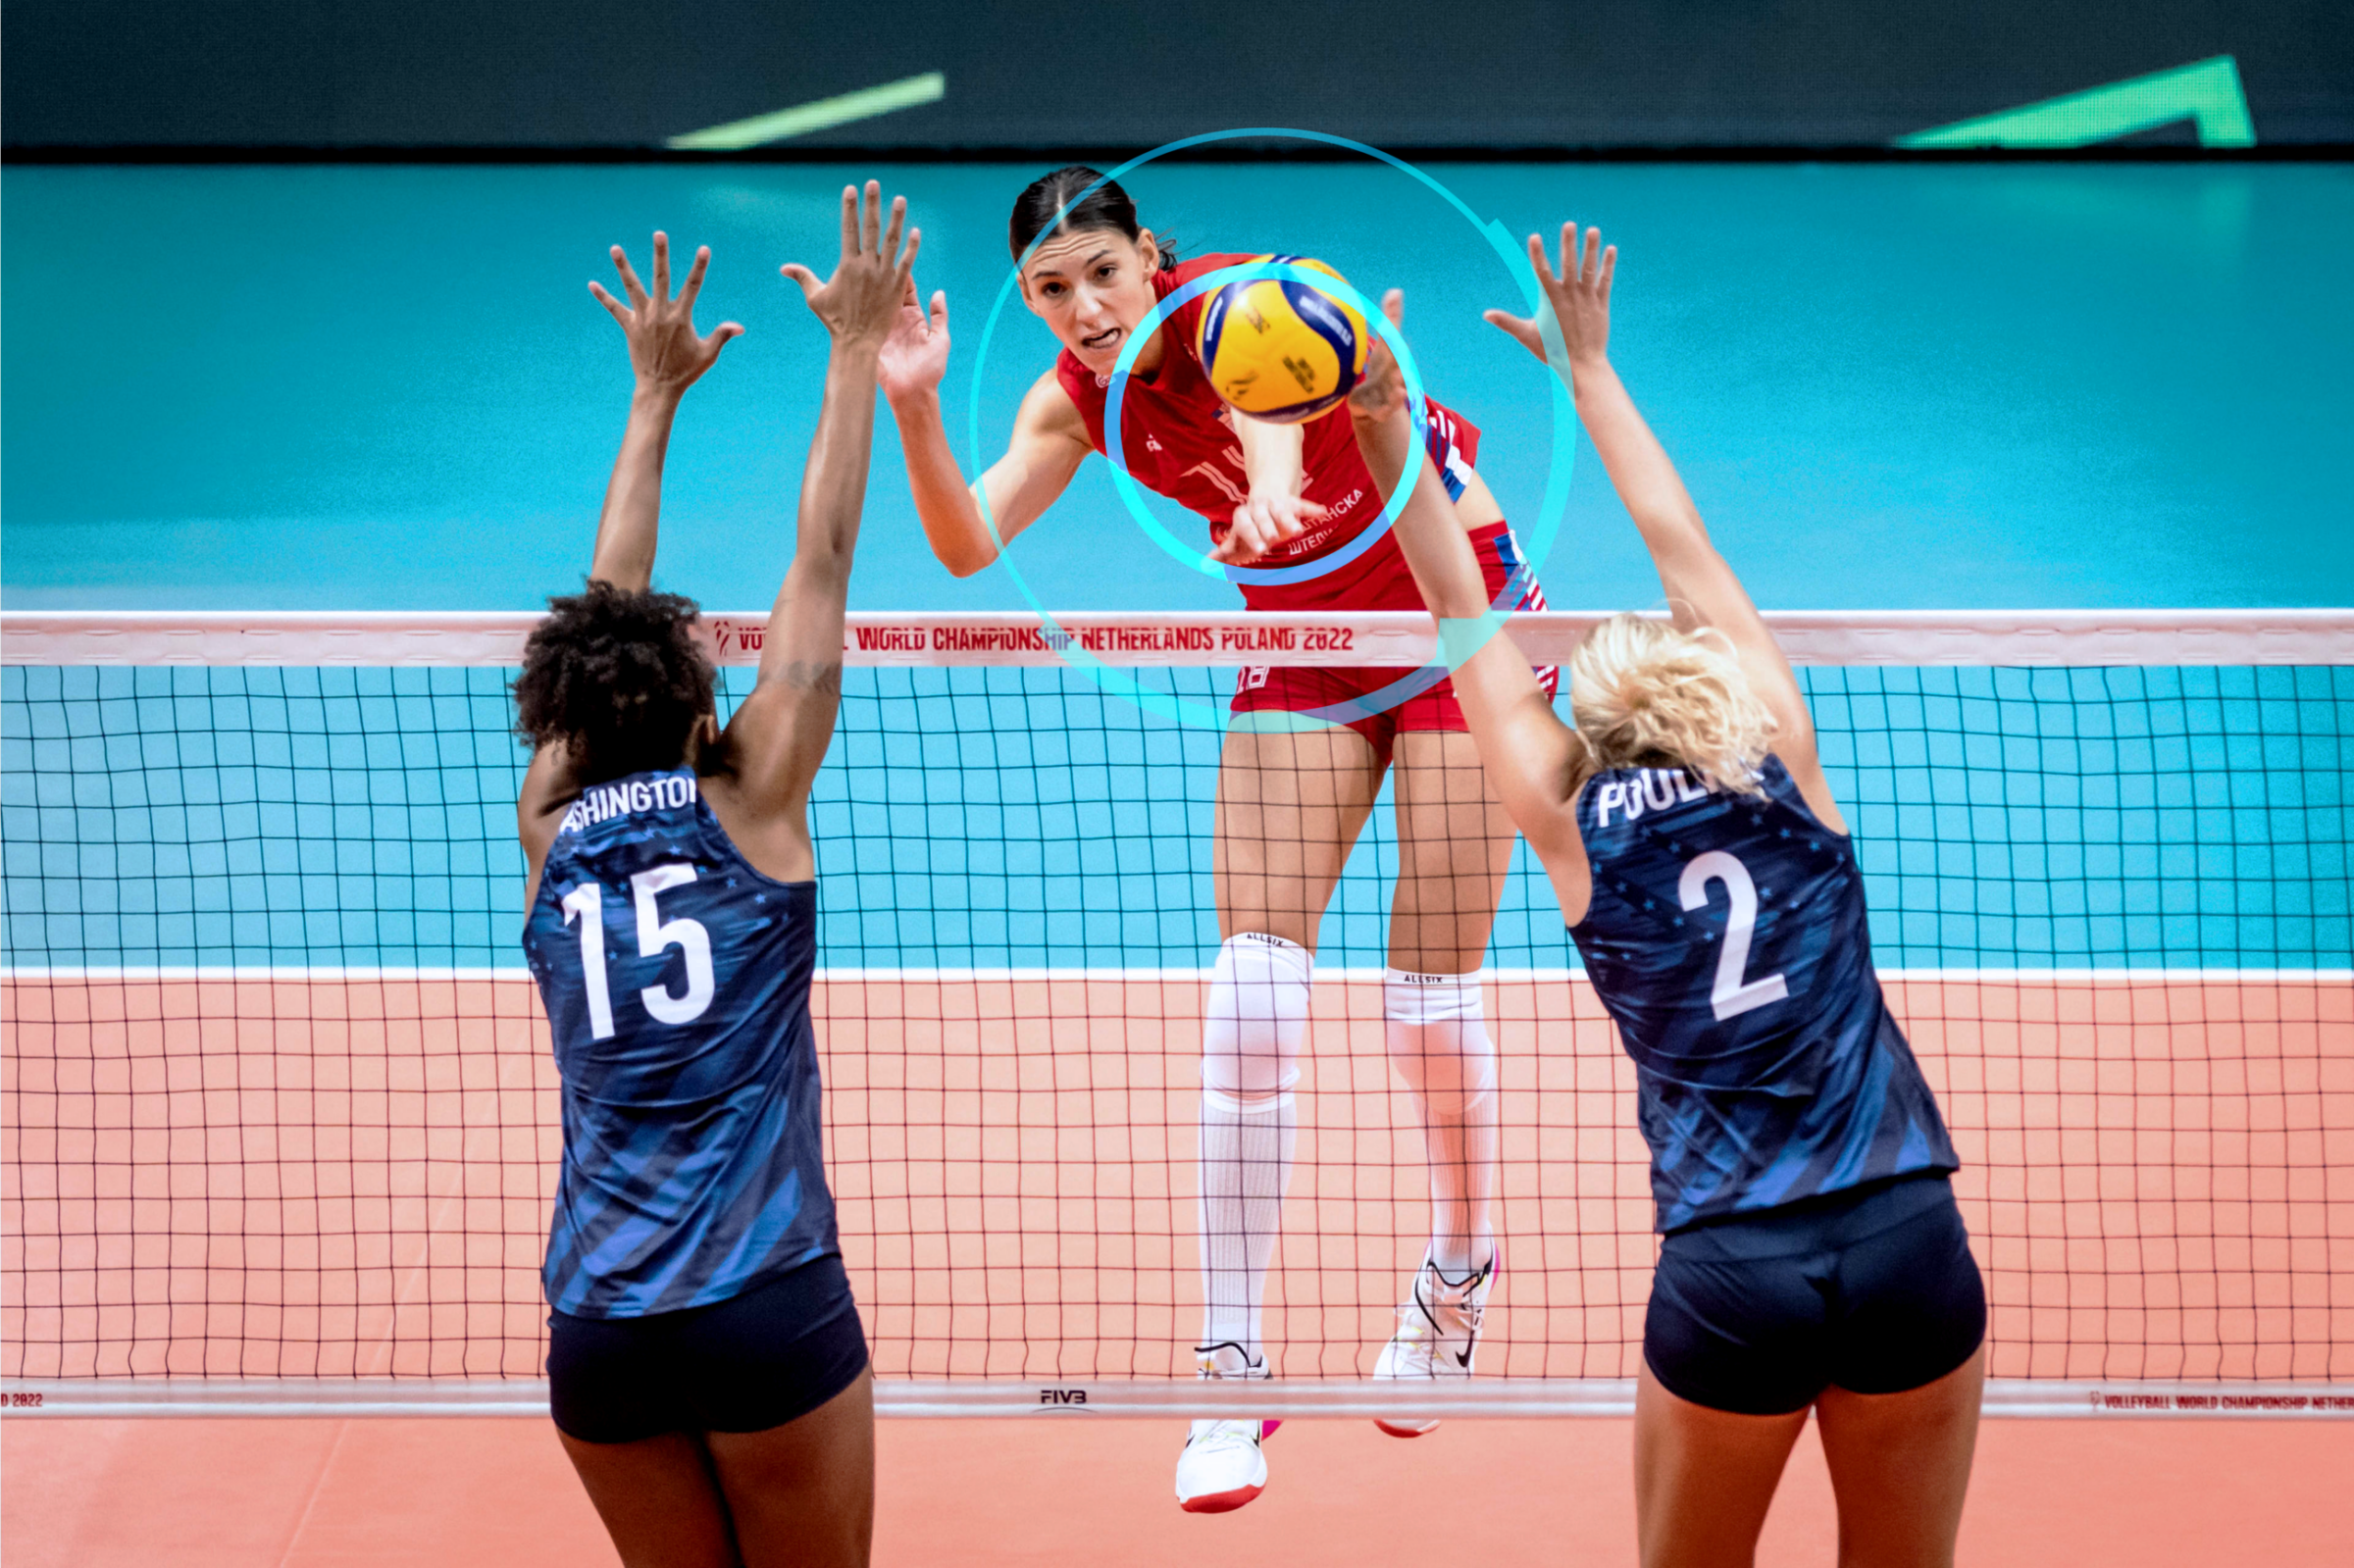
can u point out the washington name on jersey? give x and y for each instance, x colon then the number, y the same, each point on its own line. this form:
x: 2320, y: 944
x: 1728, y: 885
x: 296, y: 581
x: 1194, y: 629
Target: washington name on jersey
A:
x: 677, y: 984
x: 1727, y: 938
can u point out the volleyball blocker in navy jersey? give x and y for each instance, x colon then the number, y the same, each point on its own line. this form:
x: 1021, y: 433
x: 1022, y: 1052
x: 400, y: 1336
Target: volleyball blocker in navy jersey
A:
x: 1726, y: 935
x: 677, y: 984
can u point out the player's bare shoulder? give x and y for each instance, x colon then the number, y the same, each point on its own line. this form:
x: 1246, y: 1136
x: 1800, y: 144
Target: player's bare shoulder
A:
x: 1048, y: 411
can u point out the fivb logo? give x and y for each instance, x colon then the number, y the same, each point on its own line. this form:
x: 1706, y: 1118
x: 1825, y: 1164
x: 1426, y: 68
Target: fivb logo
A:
x: 736, y: 636
x: 1062, y: 1398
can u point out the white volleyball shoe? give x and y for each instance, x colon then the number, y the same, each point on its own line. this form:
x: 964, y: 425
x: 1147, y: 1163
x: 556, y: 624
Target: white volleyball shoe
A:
x: 1224, y: 1462
x: 1438, y: 1334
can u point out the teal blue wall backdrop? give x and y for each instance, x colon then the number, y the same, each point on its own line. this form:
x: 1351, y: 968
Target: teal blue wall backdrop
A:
x: 376, y: 388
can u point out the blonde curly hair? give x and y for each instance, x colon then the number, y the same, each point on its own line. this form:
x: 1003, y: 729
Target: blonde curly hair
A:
x: 1648, y: 695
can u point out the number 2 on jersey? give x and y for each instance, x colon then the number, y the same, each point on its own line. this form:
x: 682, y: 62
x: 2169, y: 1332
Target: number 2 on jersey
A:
x: 1729, y: 998
x: 655, y: 933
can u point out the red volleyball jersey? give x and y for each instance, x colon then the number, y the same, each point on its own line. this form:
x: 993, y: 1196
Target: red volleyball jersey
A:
x: 1176, y: 435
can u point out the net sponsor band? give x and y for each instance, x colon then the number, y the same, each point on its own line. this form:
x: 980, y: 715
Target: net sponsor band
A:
x: 1378, y: 640
x: 2110, y: 1402
x: 1515, y: 1397
x: 1173, y: 641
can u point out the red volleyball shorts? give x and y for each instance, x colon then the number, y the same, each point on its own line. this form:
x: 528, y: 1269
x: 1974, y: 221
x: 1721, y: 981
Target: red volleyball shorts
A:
x: 1339, y: 693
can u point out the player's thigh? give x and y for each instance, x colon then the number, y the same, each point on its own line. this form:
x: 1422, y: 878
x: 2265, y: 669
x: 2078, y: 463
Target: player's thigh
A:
x: 1290, y: 803
x: 1704, y: 1478
x: 1455, y: 843
x: 658, y: 1498
x: 802, y: 1494
x: 1899, y: 1467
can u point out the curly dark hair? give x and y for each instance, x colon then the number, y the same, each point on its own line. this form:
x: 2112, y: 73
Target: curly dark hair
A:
x: 616, y: 675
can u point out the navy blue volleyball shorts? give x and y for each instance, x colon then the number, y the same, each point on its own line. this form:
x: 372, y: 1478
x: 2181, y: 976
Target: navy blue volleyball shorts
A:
x: 1872, y: 1289
x: 754, y: 1361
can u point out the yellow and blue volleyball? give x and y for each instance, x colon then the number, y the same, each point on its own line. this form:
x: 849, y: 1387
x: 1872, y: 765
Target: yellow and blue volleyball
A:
x: 1279, y: 350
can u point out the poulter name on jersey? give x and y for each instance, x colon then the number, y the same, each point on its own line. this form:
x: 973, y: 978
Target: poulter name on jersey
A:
x: 1645, y: 790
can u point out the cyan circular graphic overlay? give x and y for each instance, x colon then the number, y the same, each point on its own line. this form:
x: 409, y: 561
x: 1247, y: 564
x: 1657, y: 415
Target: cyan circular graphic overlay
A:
x: 1133, y: 495
x: 1459, y: 640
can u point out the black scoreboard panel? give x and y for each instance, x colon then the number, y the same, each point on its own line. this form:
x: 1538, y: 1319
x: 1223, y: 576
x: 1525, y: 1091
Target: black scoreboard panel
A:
x: 1502, y: 74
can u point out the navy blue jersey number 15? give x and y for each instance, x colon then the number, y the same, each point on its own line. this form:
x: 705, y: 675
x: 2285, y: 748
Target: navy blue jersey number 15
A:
x: 587, y: 902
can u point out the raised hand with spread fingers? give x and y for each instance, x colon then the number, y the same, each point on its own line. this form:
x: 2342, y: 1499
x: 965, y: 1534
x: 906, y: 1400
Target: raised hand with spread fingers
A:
x: 860, y: 303
x: 1578, y: 298
x: 667, y: 356
x: 665, y: 350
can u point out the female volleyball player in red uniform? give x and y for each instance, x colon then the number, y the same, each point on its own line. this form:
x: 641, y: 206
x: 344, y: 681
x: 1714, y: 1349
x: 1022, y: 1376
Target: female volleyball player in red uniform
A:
x: 1293, y: 795
x: 1814, y: 1258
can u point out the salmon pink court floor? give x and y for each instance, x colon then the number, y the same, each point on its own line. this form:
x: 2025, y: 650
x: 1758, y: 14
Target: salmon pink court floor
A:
x: 2137, y: 1157
x: 349, y: 1178
x: 497, y: 1492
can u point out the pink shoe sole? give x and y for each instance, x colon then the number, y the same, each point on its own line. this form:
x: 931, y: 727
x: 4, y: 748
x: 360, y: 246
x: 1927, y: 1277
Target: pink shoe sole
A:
x: 1423, y: 1429
x: 1221, y: 1502
x: 1228, y: 1501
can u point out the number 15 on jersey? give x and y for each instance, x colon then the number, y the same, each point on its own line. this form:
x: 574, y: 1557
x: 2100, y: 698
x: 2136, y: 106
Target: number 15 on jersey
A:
x: 586, y: 903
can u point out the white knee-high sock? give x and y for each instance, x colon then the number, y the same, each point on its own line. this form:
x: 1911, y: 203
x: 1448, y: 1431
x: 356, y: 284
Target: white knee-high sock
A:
x: 1246, y: 1164
x: 1252, y: 1025
x: 1438, y: 1042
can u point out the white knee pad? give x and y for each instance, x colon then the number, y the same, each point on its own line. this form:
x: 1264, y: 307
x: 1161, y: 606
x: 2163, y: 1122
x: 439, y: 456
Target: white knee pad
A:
x: 1438, y: 1040
x: 1255, y: 1019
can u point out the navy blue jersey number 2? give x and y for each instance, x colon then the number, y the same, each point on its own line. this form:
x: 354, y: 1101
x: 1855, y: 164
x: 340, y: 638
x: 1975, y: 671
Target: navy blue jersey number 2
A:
x: 1727, y: 936
x: 1730, y: 995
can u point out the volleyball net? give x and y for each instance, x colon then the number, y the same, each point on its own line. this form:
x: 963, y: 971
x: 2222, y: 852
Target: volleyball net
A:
x: 280, y: 1117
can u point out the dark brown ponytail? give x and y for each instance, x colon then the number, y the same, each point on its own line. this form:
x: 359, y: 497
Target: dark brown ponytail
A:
x: 1054, y: 203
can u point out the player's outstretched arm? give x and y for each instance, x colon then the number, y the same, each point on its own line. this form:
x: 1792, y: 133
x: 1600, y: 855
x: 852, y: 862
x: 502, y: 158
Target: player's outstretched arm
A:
x: 667, y: 356
x: 1702, y: 587
x: 780, y: 734
x: 967, y: 526
x: 1275, y: 513
x: 1533, y: 759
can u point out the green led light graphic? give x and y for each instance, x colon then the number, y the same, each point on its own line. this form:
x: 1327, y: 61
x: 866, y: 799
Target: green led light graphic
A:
x: 2207, y: 91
